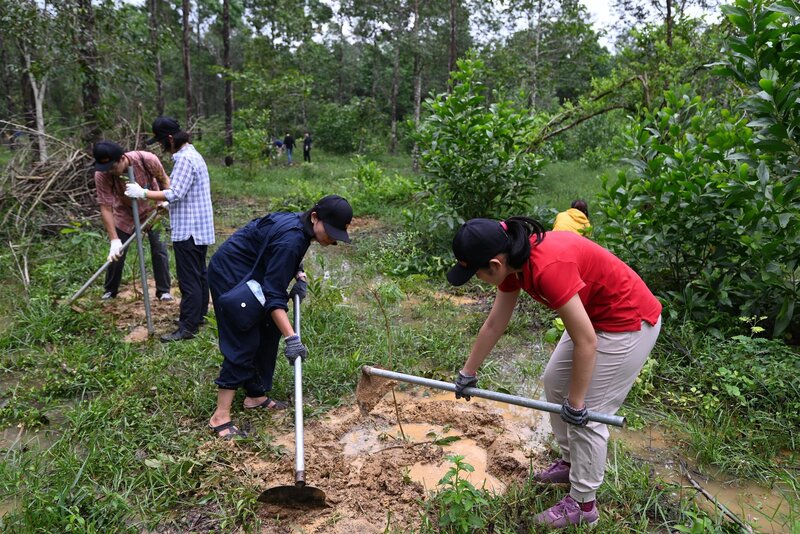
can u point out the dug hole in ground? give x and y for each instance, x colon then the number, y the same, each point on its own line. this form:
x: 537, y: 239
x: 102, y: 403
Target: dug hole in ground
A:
x: 373, y: 478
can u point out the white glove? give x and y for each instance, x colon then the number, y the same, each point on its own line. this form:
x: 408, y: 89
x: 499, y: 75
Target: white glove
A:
x: 116, y: 250
x: 134, y: 190
x: 163, y: 205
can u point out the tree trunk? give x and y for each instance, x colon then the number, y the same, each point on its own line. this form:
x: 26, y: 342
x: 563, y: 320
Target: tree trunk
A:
x: 8, y: 79
x: 198, y: 98
x: 669, y: 23
x: 535, y: 60
x: 226, y: 59
x: 159, y: 75
x: 87, y: 59
x: 395, y: 90
x: 187, y: 65
x: 417, y: 83
x: 38, y: 89
x: 451, y: 62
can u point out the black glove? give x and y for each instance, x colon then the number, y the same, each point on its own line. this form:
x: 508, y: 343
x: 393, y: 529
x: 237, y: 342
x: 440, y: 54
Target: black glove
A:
x: 299, y: 288
x: 294, y: 349
x: 464, y: 381
x: 574, y: 416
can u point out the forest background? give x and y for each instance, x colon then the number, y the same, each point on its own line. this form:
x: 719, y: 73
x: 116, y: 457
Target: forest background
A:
x: 684, y: 138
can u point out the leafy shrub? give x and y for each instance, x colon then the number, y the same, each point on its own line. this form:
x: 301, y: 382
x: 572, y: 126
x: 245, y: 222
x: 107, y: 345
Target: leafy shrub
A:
x: 749, y: 380
x: 348, y: 128
x: 476, y: 158
x: 373, y: 190
x: 700, y: 218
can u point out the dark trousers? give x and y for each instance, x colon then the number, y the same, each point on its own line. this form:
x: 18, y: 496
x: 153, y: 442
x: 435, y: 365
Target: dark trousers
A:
x: 307, y: 154
x: 158, y: 253
x: 249, y: 355
x: 190, y: 266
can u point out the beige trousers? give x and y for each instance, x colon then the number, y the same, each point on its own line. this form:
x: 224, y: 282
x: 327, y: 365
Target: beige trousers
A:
x: 619, y: 358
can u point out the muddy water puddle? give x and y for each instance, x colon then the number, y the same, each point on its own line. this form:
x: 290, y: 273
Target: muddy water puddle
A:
x: 765, y: 509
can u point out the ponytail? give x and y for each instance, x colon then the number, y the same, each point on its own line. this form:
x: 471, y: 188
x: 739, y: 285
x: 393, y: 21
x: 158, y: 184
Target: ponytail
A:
x: 520, y: 230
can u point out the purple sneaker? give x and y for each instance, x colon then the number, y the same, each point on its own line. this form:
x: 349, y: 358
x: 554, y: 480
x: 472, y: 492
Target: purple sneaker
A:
x: 557, y: 473
x: 566, y: 513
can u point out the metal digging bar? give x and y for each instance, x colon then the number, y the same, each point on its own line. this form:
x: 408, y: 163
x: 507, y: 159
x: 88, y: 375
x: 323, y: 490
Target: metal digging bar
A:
x: 551, y: 407
x: 140, y: 249
x: 298, y: 495
x: 105, y: 266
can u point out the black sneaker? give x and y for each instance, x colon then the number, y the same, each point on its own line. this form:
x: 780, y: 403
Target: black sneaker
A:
x: 178, y: 335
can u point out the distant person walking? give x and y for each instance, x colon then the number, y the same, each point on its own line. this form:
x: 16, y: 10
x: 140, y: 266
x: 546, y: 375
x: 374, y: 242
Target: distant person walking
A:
x: 307, y: 147
x: 192, y: 220
x: 575, y: 219
x: 289, y: 144
x: 111, y: 164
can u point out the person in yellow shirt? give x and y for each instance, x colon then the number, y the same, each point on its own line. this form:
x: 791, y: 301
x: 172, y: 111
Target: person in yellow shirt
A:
x: 575, y: 219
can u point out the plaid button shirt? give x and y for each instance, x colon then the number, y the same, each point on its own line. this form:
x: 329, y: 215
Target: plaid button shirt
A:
x: 189, y: 196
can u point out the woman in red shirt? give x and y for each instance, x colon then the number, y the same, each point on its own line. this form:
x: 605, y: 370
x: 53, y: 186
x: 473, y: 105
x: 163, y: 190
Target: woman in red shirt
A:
x: 612, y: 321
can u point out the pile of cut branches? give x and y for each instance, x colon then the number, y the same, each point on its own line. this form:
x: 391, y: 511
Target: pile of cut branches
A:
x: 48, y: 195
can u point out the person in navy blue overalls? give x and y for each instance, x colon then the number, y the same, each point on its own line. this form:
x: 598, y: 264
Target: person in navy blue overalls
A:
x: 277, y: 242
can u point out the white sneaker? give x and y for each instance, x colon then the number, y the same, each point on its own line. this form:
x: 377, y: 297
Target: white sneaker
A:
x: 166, y: 297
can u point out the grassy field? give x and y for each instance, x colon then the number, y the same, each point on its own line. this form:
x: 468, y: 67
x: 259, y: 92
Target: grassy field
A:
x: 115, y: 433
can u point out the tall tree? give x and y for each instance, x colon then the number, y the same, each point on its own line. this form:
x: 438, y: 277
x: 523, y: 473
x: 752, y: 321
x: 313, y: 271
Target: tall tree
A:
x: 637, y: 12
x: 86, y: 45
x: 153, y: 19
x: 226, y: 63
x: 187, y: 64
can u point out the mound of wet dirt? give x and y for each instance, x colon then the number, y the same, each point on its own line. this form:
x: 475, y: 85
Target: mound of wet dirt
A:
x: 373, y: 478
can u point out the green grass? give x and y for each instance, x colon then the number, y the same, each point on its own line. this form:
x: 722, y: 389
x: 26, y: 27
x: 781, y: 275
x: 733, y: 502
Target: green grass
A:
x: 131, y: 451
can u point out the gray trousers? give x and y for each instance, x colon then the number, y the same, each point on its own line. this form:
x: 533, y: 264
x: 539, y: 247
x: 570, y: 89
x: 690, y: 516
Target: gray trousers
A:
x: 619, y: 358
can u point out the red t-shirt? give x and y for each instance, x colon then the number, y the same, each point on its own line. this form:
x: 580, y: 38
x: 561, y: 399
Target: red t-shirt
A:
x: 615, y: 297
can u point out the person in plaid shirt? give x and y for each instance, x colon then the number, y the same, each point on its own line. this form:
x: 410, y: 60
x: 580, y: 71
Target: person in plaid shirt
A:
x: 192, y: 220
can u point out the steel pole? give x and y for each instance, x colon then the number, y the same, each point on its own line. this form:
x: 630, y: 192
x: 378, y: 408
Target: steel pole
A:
x: 551, y: 407
x: 105, y: 266
x: 299, y: 455
x: 140, y: 249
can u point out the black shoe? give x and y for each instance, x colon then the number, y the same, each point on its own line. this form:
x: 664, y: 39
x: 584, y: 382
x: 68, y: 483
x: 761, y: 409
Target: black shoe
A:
x: 178, y: 335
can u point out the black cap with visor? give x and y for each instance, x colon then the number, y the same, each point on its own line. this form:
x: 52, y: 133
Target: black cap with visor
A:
x: 474, y: 245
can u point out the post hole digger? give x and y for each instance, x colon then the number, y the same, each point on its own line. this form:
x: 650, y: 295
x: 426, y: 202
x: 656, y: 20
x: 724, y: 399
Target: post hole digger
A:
x: 300, y: 494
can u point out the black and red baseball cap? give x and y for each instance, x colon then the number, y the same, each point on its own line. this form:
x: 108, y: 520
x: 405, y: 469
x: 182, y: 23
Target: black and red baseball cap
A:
x: 162, y: 128
x: 474, y: 245
x: 335, y: 213
x: 106, y: 154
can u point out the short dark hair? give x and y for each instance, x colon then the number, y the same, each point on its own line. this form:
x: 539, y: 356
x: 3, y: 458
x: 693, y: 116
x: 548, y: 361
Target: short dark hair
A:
x: 580, y: 205
x: 181, y: 138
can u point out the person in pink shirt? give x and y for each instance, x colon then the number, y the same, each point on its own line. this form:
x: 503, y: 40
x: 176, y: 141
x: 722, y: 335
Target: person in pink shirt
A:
x: 110, y: 176
x: 611, y: 321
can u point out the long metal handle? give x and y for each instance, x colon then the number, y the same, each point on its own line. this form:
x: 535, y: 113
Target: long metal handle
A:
x: 551, y: 407
x: 105, y: 266
x: 140, y: 249
x: 299, y: 454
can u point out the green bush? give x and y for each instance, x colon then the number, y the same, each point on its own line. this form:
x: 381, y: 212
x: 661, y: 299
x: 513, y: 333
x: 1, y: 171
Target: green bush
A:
x: 475, y: 157
x: 348, y: 128
x: 700, y: 223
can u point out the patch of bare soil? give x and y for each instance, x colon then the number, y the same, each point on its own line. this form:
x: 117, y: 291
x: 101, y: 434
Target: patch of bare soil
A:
x: 369, y: 474
x: 128, y: 313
